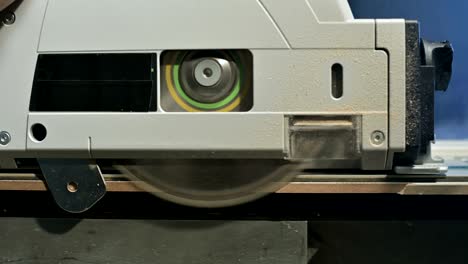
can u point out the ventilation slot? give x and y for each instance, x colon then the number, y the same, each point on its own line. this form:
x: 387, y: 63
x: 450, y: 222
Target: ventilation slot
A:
x: 337, y: 81
x: 94, y: 83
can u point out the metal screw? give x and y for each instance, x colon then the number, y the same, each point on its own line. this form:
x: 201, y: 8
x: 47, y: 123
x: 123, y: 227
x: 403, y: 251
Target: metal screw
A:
x: 9, y: 18
x: 378, y: 138
x: 5, y: 138
x: 72, y: 187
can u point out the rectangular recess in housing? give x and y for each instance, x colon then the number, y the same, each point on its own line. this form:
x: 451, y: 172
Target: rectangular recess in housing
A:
x: 95, y: 83
x: 324, y: 137
x: 207, y: 81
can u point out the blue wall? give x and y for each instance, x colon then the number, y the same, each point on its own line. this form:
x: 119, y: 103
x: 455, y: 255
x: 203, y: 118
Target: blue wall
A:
x: 440, y: 20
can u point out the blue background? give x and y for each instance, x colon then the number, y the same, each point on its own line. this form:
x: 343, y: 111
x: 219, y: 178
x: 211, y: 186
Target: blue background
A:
x: 440, y: 20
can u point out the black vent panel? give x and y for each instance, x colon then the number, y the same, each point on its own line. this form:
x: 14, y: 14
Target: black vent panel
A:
x: 95, y: 83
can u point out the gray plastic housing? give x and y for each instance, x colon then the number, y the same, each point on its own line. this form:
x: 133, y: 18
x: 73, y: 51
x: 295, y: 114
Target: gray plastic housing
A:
x: 294, y: 45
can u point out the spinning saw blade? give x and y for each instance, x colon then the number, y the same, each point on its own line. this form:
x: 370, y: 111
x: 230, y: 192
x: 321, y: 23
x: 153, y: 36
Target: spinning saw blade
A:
x: 211, y: 183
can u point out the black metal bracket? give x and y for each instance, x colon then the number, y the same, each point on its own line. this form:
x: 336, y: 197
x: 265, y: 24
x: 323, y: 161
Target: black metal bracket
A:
x: 76, y: 185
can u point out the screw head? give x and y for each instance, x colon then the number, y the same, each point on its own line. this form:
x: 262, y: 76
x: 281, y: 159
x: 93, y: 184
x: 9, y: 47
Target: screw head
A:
x: 208, y: 72
x: 5, y: 138
x: 72, y: 187
x: 378, y: 138
x: 9, y: 18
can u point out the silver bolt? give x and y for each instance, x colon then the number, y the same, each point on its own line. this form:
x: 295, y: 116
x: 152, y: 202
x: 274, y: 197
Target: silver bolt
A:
x: 5, y: 138
x: 378, y: 138
x: 9, y: 18
x: 208, y: 72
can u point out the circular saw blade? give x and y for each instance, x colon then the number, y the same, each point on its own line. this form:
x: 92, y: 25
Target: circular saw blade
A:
x: 211, y: 183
